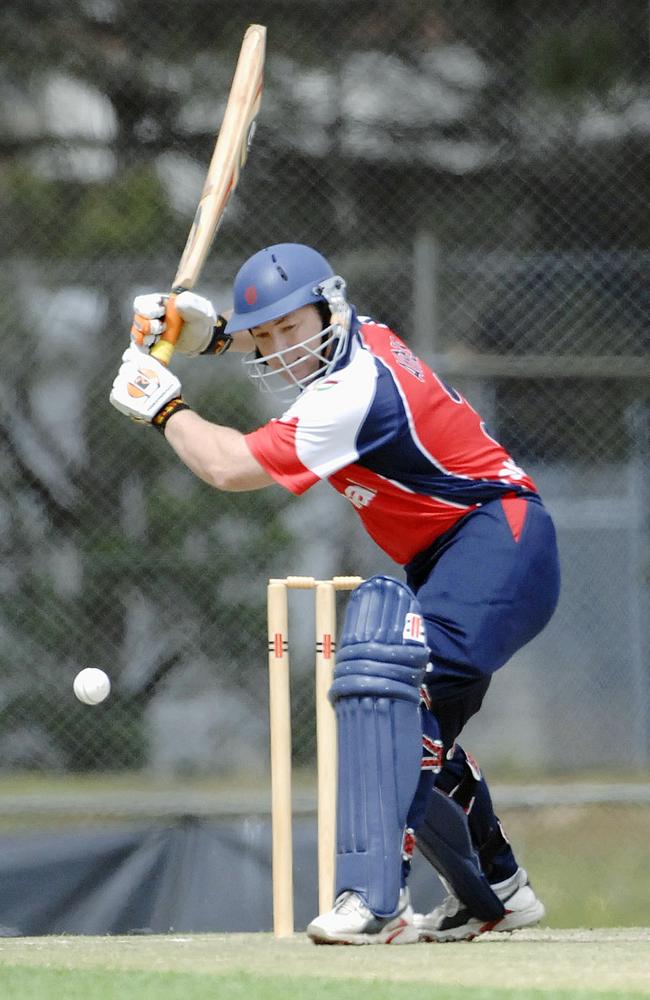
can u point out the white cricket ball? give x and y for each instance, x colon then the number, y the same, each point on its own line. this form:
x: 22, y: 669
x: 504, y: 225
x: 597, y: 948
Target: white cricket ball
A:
x: 91, y: 686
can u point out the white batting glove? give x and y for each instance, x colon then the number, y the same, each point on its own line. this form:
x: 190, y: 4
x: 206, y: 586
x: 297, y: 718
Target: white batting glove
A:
x: 143, y: 386
x: 198, y: 315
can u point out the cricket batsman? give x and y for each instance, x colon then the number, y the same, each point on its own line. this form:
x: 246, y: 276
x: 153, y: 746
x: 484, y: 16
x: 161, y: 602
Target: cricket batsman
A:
x: 450, y: 506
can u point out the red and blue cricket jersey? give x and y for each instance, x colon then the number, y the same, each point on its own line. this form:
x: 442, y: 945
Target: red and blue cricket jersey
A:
x: 409, y: 453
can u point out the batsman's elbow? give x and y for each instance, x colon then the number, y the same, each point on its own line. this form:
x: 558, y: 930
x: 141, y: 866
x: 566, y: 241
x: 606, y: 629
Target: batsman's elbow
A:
x: 221, y: 478
x: 218, y: 455
x: 239, y: 478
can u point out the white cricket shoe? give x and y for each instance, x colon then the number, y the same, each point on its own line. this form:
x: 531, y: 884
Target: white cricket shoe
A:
x: 351, y: 922
x: 452, y: 921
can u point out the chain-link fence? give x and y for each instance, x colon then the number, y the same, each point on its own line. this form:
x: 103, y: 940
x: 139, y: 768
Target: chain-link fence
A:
x: 479, y: 173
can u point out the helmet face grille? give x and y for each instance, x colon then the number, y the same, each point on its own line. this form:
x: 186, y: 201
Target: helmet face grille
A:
x: 327, y: 346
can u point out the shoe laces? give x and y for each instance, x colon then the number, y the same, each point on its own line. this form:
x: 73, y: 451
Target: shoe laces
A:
x: 348, y: 902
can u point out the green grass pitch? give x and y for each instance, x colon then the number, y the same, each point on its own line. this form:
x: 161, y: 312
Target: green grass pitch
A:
x: 538, y: 964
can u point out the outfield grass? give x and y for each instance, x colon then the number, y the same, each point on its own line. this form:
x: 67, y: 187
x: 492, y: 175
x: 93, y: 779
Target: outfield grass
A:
x: 57, y: 984
x: 527, y: 965
x: 588, y: 863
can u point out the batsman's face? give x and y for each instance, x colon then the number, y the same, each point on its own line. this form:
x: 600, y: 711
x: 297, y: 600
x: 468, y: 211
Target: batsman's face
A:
x: 291, y: 342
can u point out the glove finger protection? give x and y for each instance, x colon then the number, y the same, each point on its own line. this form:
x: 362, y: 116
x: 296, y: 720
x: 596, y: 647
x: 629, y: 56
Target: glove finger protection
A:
x: 143, y: 386
x: 198, y: 315
x: 148, y: 319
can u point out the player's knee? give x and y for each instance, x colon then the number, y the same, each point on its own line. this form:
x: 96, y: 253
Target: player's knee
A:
x: 382, y: 649
x: 459, y: 777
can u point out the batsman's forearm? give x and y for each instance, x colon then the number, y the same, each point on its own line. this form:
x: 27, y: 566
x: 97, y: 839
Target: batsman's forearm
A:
x: 218, y: 455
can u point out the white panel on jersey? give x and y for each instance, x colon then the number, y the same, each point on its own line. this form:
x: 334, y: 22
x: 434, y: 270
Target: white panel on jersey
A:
x: 330, y: 413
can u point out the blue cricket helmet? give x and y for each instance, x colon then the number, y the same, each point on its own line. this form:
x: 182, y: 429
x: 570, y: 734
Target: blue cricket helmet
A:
x: 274, y: 282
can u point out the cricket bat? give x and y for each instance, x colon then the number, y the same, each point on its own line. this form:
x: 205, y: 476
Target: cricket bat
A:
x: 228, y: 158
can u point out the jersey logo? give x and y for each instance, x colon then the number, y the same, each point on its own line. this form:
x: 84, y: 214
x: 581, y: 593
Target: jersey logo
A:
x: 359, y: 496
x: 327, y: 383
x: 511, y: 471
x: 406, y: 359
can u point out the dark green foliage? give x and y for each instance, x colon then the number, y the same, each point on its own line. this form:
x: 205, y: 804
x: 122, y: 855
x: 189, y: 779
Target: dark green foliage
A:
x: 585, y: 58
x: 123, y: 218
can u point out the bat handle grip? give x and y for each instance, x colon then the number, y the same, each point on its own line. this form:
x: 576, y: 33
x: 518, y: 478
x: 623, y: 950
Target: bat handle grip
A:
x: 163, y: 349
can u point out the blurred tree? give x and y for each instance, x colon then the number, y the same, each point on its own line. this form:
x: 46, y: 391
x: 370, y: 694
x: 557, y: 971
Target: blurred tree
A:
x: 81, y: 545
x: 407, y: 93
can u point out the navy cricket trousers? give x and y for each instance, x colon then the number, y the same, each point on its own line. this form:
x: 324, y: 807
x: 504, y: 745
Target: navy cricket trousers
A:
x: 486, y: 589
